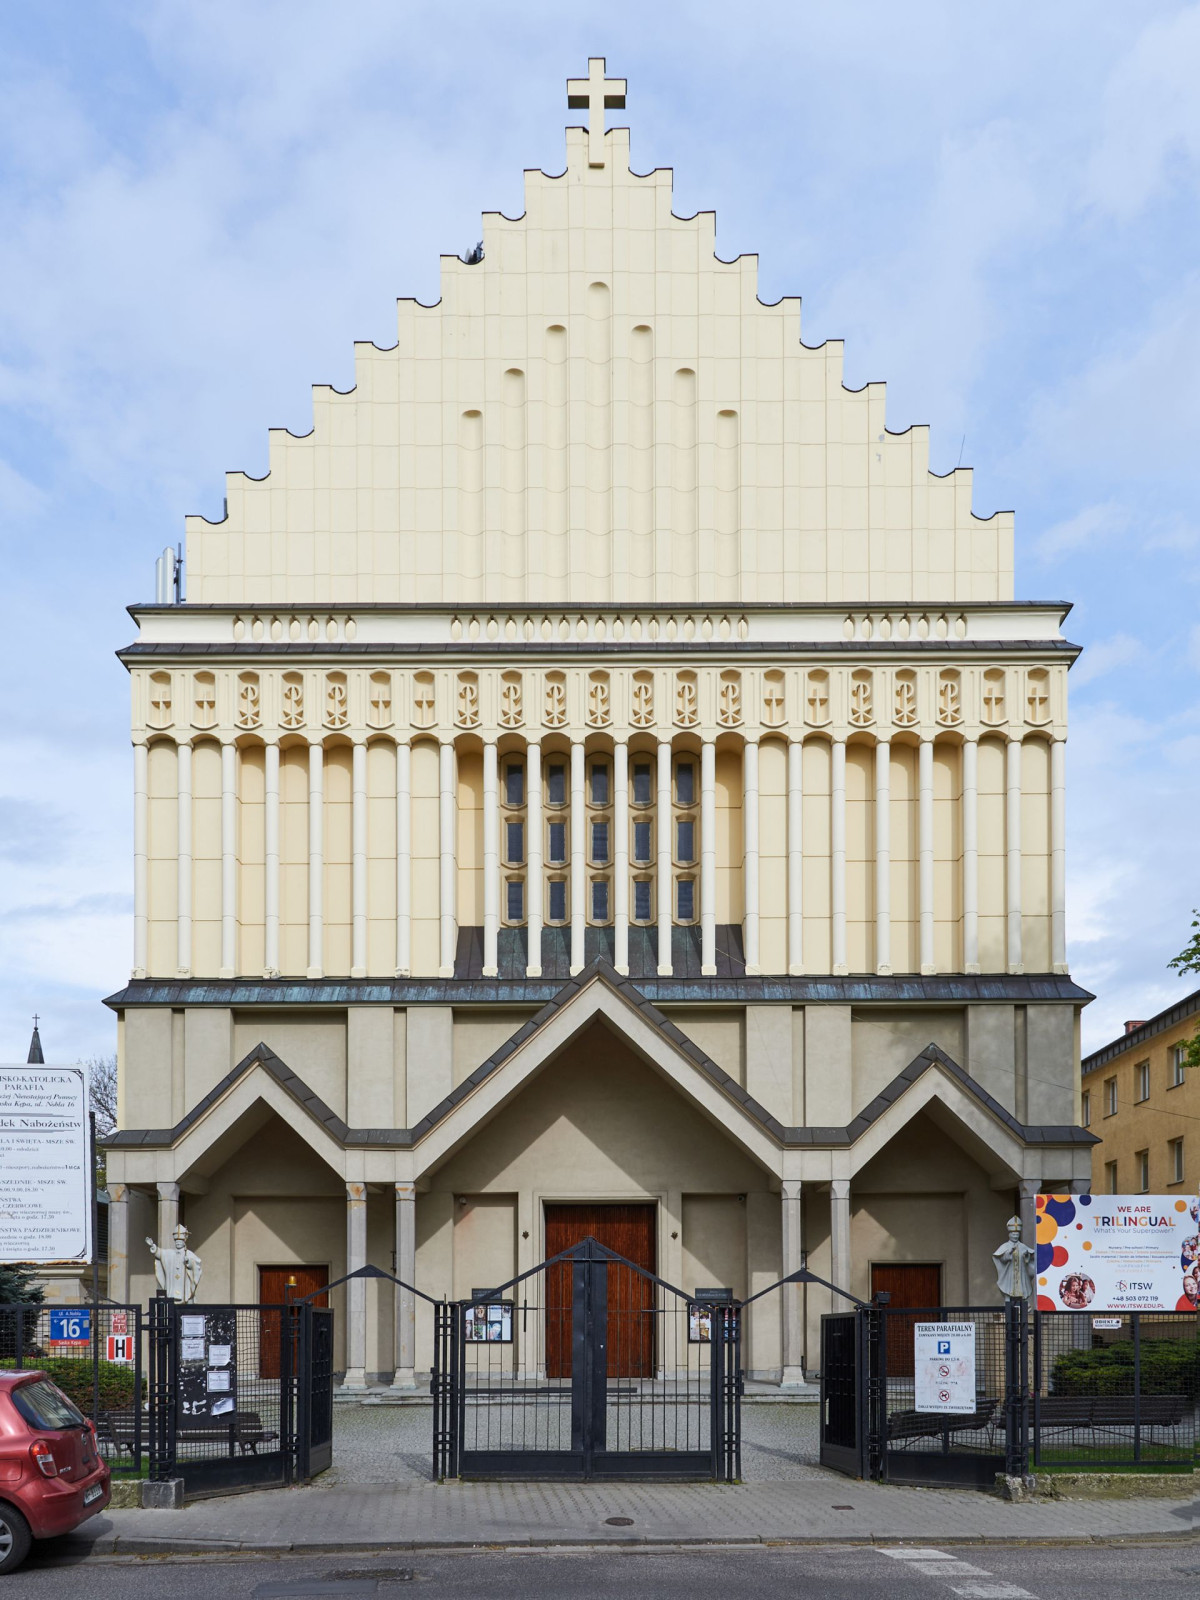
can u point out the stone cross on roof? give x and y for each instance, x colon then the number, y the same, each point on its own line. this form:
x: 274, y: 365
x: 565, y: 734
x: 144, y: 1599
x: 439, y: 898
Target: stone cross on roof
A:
x: 596, y: 94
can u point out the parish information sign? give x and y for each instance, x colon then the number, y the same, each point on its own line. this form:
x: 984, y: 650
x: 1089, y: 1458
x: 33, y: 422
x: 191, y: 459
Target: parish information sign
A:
x: 45, y: 1156
x: 944, y: 1367
x: 1118, y: 1252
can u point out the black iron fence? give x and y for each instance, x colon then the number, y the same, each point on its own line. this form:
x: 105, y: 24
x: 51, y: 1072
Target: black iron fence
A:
x: 95, y: 1354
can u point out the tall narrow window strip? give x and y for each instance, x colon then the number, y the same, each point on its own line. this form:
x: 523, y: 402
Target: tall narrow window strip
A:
x: 643, y: 783
x: 685, y: 783
x: 1176, y: 1160
x: 556, y: 784
x: 685, y: 900
x: 514, y: 784
x: 600, y: 783
x: 515, y: 843
x: 599, y: 899
x: 558, y: 900
x: 685, y: 840
x: 516, y: 900
x: 642, y: 842
x: 557, y: 849
x: 642, y: 911
x: 600, y: 842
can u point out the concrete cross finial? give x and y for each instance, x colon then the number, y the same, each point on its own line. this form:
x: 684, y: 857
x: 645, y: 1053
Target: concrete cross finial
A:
x: 596, y: 94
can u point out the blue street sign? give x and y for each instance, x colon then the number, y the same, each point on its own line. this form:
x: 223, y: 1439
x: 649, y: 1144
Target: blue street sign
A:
x: 70, y: 1325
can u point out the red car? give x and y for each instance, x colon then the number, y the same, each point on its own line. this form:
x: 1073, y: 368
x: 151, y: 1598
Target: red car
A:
x: 51, y: 1474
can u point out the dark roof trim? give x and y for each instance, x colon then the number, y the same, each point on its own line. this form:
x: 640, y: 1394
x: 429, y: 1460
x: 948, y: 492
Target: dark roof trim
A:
x: 865, y: 989
x: 602, y: 972
x: 1189, y: 1006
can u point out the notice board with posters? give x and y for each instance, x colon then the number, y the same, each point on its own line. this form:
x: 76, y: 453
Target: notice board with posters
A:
x: 944, y: 1367
x: 1118, y: 1252
x: 207, y: 1363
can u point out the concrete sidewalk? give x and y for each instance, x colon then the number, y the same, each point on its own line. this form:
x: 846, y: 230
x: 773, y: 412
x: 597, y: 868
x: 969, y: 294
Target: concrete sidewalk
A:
x: 424, y: 1515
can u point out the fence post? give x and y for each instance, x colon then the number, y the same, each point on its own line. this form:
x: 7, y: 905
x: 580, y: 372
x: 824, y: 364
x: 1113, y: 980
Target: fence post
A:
x: 20, y: 1356
x: 872, y: 1389
x: 1137, y: 1386
x: 1016, y: 1420
x: 137, y: 1388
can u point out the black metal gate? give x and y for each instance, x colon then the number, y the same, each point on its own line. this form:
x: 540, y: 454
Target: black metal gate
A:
x: 844, y: 1370
x: 314, y: 1443
x: 587, y: 1367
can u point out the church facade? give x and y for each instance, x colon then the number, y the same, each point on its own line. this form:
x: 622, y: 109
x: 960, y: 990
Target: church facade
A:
x: 599, y: 766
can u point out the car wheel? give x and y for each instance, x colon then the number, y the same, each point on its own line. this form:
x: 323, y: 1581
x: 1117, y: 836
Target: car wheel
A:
x: 15, y: 1538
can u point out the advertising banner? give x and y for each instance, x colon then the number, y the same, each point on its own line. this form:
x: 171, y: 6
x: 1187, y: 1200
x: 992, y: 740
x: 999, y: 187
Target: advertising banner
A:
x: 45, y: 1160
x: 1118, y: 1252
x: 944, y: 1367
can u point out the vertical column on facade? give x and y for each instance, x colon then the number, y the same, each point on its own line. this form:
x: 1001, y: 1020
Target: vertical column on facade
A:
x: 793, y: 1294
x: 708, y: 859
x: 1012, y: 830
x: 883, y: 857
x: 447, y: 908
x: 578, y: 859
x: 795, y: 849
x: 621, y: 856
x: 118, y: 1241
x: 925, y: 850
x: 534, y: 888
x: 491, y: 860
x: 229, y: 873
x: 168, y: 1212
x: 406, y: 1302
x: 663, y: 887
x: 1058, y: 855
x: 1028, y: 1191
x: 403, y: 860
x: 356, y: 1289
x: 141, y: 853
x: 839, y: 1239
x: 271, y: 861
x: 183, y: 906
x: 837, y: 836
x: 316, y: 860
x: 358, y: 860
x: 750, y: 926
x: 970, y: 856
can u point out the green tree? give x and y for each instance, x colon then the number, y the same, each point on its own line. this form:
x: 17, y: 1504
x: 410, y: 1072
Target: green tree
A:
x: 1188, y: 960
x: 17, y: 1286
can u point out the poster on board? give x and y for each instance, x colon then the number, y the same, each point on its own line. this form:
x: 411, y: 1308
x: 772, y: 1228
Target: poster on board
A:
x: 1118, y: 1252
x: 45, y: 1165
x: 944, y: 1367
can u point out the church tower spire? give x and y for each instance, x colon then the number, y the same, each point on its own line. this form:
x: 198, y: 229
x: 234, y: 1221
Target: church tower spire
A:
x: 35, y: 1056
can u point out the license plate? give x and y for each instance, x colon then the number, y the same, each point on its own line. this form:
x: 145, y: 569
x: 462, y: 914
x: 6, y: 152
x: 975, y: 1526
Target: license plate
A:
x: 94, y: 1493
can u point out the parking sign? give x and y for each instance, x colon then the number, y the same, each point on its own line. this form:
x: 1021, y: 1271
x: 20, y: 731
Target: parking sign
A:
x: 944, y: 1366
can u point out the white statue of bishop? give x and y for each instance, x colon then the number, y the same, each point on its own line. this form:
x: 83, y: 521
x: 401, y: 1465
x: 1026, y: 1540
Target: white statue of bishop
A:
x: 177, y: 1268
x: 1015, y: 1271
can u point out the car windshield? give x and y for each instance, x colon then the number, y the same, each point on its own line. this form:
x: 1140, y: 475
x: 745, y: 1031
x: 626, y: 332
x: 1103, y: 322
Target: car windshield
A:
x: 45, y: 1407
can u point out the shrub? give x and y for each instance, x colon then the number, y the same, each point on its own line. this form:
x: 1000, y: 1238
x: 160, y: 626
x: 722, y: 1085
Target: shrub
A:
x: 74, y: 1377
x: 1169, y: 1366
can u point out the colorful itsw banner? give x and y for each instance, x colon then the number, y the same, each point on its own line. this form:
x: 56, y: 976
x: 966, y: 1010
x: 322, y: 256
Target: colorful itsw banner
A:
x: 1118, y: 1252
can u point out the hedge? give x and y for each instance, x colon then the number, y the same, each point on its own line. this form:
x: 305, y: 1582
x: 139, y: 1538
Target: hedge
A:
x: 74, y: 1377
x: 1169, y: 1366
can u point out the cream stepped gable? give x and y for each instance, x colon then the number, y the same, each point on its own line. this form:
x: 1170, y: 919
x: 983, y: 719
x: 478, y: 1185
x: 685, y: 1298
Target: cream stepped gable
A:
x: 599, y: 764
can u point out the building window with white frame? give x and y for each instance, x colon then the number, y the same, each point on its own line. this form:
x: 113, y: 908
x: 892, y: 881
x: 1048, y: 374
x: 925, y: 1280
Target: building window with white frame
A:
x: 1175, y: 1163
x: 1110, y: 1177
x: 1141, y: 1081
x: 1141, y: 1164
x: 1178, y: 1065
x: 1085, y: 1113
x: 1110, y: 1097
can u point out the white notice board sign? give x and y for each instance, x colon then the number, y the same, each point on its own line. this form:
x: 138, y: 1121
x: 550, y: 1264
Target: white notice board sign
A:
x: 45, y: 1165
x: 944, y: 1357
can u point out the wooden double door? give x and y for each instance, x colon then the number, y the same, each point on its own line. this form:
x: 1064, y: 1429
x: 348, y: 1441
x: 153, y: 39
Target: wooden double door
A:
x: 281, y: 1286
x: 629, y: 1231
x: 918, y: 1287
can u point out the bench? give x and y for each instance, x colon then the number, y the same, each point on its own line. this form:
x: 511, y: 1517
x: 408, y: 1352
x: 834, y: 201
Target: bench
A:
x: 118, y: 1428
x: 1098, y: 1413
x: 906, y: 1425
x: 241, y: 1428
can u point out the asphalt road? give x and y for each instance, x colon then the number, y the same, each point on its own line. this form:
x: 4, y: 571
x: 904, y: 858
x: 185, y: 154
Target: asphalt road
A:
x: 991, y: 1572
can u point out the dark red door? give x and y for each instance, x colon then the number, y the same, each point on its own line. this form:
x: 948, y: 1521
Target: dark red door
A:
x: 917, y: 1286
x: 630, y: 1232
x: 280, y: 1286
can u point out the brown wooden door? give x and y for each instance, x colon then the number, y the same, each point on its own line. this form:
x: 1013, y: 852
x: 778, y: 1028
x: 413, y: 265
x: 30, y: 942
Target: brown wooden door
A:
x: 630, y: 1232
x: 917, y: 1286
x: 277, y: 1286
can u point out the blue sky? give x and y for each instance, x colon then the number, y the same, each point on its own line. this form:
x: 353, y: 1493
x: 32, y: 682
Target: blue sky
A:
x: 202, y: 206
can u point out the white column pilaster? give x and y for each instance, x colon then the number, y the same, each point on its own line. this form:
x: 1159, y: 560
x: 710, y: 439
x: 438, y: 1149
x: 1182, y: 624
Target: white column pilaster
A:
x: 358, y: 857
x: 837, y: 835
x: 141, y: 851
x: 356, y: 1289
x: 183, y: 908
x: 491, y: 859
x: 1012, y: 827
x: 795, y: 850
x: 792, y: 1376
x: 229, y: 859
x: 841, y: 1265
x: 970, y: 861
x: 883, y: 857
x: 1058, y: 855
x: 271, y: 861
x: 316, y: 861
x: 406, y: 1302
x: 447, y: 866
x: 664, y: 885
x: 403, y: 860
x: 750, y: 924
x: 925, y: 846
x: 168, y: 1212
x: 1028, y: 1190
x: 535, y: 887
x: 620, y: 855
x: 578, y: 858
x: 118, y: 1242
x: 708, y: 859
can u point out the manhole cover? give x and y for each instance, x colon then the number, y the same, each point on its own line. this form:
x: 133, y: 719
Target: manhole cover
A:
x: 619, y: 1522
x: 841, y: 1508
